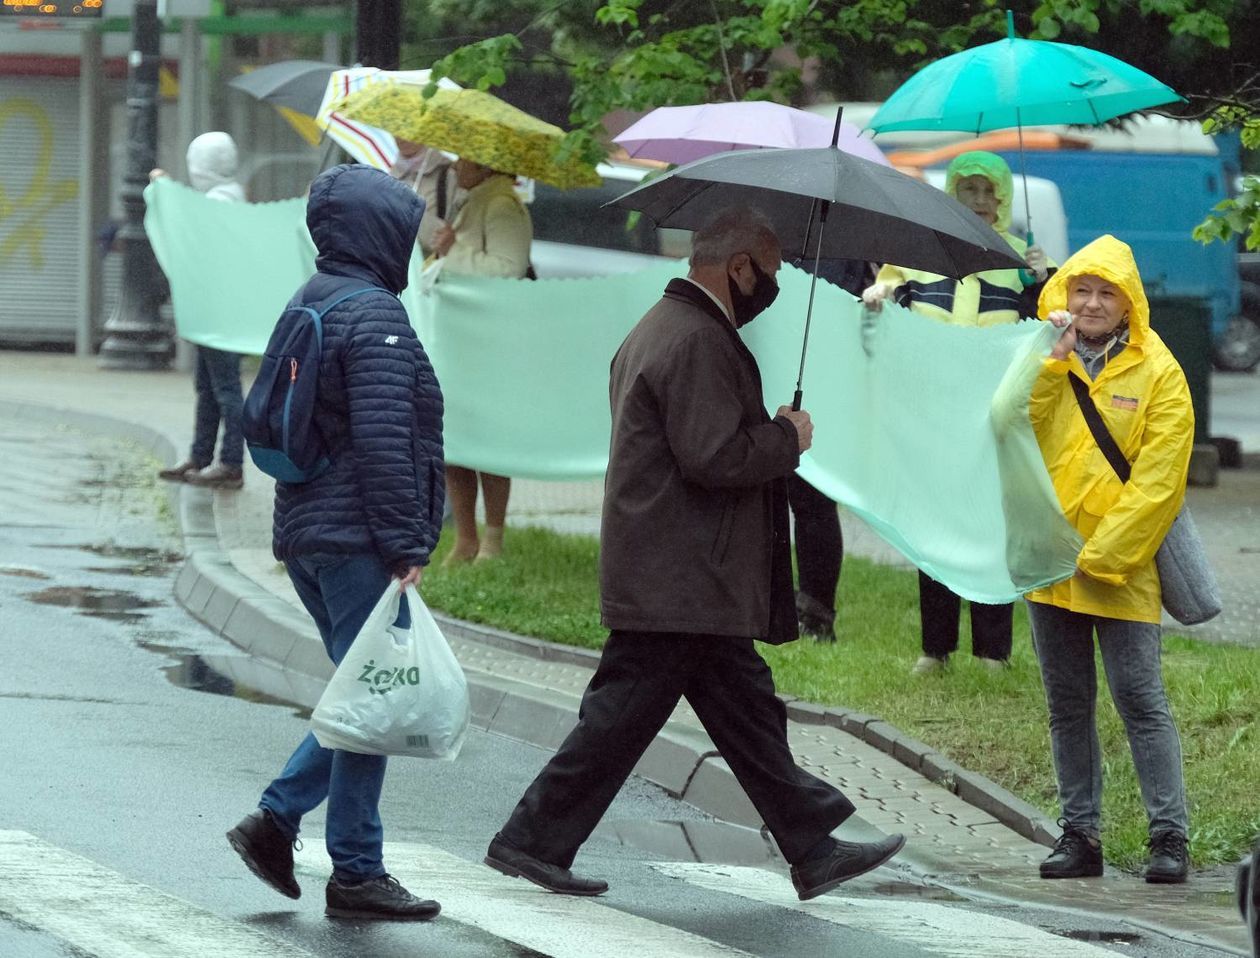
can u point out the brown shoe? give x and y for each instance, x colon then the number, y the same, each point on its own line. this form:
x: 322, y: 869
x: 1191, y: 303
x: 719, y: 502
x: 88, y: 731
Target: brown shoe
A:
x: 180, y: 472
x: 217, y: 476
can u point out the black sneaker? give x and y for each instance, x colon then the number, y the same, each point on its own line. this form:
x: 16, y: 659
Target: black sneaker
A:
x: 377, y: 899
x: 1075, y: 855
x: 266, y: 851
x: 1170, y: 859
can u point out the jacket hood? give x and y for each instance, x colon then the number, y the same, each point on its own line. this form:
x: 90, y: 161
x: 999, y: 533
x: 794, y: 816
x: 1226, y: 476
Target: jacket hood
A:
x: 994, y: 169
x: 212, y: 162
x: 364, y: 224
x: 1109, y: 259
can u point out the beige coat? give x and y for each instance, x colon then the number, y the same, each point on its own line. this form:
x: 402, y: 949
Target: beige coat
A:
x: 492, y: 232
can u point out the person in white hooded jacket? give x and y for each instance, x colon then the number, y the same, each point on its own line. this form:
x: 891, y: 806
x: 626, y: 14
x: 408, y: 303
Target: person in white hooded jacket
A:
x: 212, y: 164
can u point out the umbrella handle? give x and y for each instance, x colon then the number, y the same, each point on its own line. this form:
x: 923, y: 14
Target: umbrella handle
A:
x: 796, y: 401
x: 1027, y: 276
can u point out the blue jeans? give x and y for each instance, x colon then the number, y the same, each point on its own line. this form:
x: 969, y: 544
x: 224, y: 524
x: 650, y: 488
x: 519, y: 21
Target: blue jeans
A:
x: 1064, y: 642
x: 339, y: 592
x: 219, y: 399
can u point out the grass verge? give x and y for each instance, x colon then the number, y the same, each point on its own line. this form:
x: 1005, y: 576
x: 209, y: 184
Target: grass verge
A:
x: 547, y: 586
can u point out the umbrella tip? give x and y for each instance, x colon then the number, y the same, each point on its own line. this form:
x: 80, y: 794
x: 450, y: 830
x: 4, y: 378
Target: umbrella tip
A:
x: 835, y: 133
x: 1010, y: 25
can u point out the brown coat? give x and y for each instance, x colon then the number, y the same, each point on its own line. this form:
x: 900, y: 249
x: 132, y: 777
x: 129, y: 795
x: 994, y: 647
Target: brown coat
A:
x: 694, y: 536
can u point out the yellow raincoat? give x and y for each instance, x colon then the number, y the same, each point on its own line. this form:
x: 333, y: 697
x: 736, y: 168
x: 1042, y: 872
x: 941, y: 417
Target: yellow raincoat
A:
x: 981, y: 299
x: 1144, y: 400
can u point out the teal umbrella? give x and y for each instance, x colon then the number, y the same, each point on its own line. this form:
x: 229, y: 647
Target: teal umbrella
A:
x: 1016, y: 82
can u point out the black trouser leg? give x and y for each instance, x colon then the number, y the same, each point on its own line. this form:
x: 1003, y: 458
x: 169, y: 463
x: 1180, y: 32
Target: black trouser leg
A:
x: 991, y: 630
x: 819, y: 541
x: 938, y: 617
x: 639, y: 680
x: 732, y: 692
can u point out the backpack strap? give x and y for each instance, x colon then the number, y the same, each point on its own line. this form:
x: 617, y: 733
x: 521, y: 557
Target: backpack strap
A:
x: 1093, y: 418
x: 318, y: 315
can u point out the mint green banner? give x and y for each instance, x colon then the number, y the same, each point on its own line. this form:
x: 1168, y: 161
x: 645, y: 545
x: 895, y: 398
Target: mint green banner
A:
x: 921, y: 428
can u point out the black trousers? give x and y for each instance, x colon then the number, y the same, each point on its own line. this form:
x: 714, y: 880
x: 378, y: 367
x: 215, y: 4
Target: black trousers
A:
x: 939, y: 609
x: 819, y: 542
x: 640, y: 679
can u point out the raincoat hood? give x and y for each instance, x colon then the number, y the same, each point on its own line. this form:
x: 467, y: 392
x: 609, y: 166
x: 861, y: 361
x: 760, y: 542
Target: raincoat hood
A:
x: 364, y: 224
x: 1110, y: 259
x: 994, y: 169
x: 212, y: 162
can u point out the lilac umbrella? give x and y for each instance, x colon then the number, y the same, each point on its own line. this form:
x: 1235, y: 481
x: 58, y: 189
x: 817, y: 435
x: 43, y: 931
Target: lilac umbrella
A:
x: 680, y: 134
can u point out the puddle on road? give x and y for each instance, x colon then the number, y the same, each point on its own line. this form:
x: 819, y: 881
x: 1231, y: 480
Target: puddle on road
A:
x: 196, y: 672
x: 140, y: 560
x: 1102, y: 937
x: 22, y: 572
x: 112, y: 604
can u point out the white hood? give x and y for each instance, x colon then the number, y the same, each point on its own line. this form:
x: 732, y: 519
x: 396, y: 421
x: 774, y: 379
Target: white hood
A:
x: 212, y: 166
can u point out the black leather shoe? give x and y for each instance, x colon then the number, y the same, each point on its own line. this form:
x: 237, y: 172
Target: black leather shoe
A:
x: 517, y: 864
x: 1170, y: 859
x: 1075, y: 855
x: 848, y: 860
x: 266, y: 851
x: 377, y: 899
x: 816, y: 621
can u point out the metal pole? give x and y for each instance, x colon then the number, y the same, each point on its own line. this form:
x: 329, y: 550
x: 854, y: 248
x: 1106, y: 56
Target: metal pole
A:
x: 91, y: 122
x: 136, y: 338
x: 378, y: 33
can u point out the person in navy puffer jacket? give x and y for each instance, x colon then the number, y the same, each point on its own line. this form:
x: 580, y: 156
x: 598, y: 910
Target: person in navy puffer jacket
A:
x: 372, y: 517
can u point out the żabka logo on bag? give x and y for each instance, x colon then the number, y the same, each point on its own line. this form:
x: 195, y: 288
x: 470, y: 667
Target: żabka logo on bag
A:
x: 380, y: 681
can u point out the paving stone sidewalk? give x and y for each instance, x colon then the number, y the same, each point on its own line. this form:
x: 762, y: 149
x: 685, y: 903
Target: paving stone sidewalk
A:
x: 530, y: 690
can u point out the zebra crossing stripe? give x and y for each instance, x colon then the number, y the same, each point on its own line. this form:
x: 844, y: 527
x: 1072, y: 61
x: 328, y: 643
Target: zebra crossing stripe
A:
x: 951, y: 932
x: 107, y: 915
x: 560, y: 926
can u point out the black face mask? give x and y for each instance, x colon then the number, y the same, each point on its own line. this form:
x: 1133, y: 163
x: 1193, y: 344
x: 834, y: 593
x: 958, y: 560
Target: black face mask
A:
x: 745, y: 307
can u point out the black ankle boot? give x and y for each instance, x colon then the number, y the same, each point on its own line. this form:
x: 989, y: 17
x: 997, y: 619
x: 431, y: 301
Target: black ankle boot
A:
x: 1075, y: 855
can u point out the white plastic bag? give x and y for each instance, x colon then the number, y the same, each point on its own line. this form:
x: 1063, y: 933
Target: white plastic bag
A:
x: 397, y: 691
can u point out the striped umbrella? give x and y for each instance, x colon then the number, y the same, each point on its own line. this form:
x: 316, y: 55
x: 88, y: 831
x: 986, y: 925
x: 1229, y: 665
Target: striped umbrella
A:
x: 367, y: 144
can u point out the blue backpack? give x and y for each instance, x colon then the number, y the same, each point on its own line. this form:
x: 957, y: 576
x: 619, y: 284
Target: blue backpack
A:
x: 279, y: 417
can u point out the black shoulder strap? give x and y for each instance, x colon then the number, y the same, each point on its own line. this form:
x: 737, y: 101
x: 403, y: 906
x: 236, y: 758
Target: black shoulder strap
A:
x: 441, y: 192
x: 1093, y: 418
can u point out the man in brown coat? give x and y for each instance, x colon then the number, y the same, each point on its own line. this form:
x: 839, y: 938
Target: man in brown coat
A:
x: 694, y: 566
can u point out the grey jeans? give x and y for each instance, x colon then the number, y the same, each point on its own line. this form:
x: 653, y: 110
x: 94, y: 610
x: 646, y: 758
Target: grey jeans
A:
x: 1064, y: 642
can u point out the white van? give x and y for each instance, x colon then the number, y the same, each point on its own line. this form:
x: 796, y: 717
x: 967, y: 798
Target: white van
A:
x: 575, y: 235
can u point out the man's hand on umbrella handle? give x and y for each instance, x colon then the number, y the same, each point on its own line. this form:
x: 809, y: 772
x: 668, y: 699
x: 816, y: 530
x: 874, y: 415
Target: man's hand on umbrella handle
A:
x: 1062, y: 319
x: 443, y: 239
x: 800, y: 421
x: 874, y: 295
x: 1035, y: 257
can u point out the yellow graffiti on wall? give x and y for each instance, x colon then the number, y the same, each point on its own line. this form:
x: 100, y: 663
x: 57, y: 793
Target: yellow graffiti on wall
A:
x: 23, y: 214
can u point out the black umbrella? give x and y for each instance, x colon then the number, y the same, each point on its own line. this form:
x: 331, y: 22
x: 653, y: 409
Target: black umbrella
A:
x: 876, y: 213
x: 296, y: 84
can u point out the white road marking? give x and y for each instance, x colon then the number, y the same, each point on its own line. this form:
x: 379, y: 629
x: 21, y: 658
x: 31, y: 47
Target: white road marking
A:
x: 937, y: 929
x: 108, y: 915
x: 560, y: 926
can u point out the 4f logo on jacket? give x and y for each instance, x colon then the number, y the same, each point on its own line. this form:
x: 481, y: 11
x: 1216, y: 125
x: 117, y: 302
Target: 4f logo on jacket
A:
x: 391, y: 340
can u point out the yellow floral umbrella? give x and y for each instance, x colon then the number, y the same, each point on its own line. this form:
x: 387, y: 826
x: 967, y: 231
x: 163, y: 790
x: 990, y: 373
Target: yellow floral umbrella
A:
x: 472, y: 124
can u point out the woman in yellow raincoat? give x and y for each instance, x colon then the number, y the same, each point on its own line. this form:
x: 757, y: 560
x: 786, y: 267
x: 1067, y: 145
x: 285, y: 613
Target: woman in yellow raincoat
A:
x: 1142, y: 396
x: 982, y: 182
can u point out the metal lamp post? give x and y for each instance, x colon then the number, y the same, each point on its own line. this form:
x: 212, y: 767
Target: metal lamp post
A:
x: 135, y: 336
x: 378, y: 33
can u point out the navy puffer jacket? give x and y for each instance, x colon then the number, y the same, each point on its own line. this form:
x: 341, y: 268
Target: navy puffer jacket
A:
x: 379, y: 407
